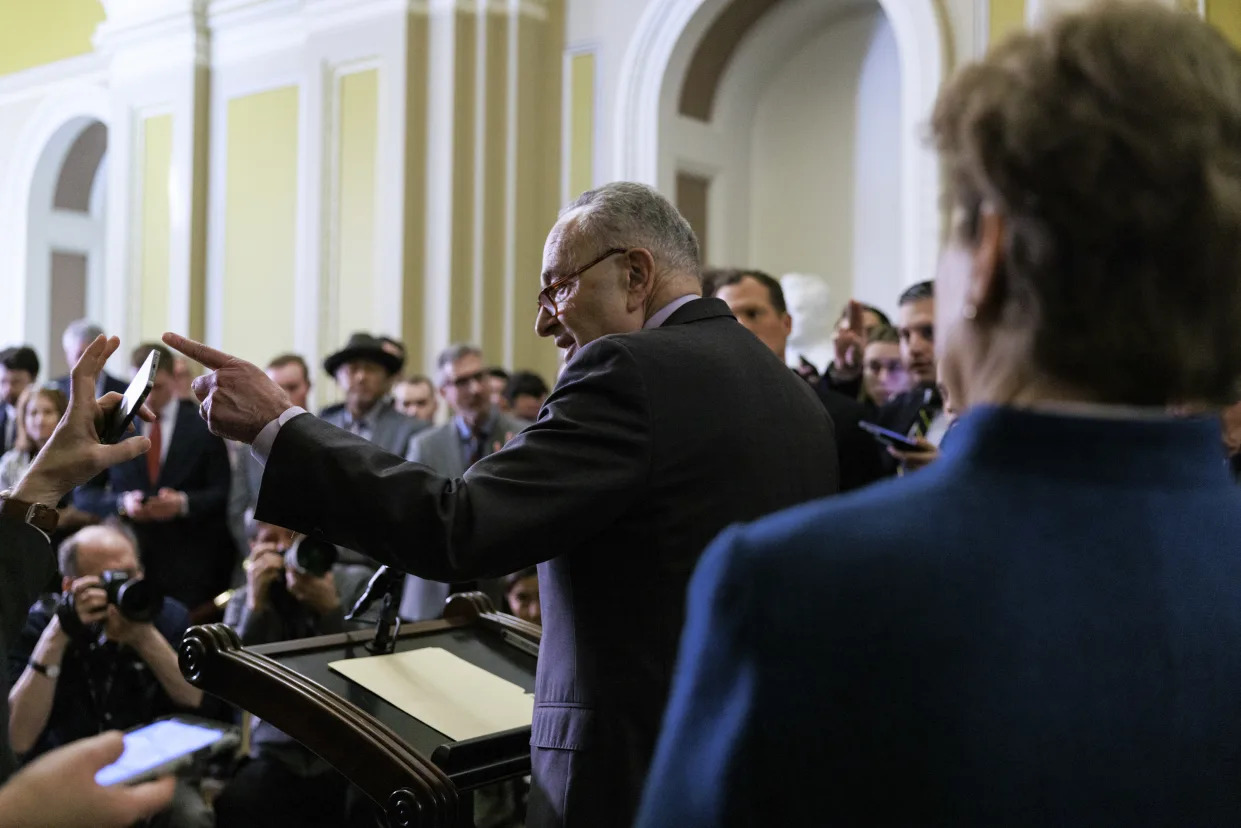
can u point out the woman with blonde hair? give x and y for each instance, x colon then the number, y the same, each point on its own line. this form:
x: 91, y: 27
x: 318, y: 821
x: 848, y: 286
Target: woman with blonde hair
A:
x: 39, y: 410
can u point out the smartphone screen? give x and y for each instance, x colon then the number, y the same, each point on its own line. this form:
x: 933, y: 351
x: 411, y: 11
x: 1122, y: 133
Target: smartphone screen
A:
x: 135, y: 396
x: 156, y: 744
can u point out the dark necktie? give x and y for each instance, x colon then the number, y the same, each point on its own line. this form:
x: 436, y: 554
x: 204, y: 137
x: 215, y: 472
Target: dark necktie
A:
x: 478, y: 447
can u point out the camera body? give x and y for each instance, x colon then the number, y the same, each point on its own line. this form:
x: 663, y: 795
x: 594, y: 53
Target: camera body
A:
x: 310, y: 556
x: 136, y: 598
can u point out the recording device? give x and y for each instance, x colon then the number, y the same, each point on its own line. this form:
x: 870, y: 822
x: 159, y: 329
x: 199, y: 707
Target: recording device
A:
x: 890, y: 438
x: 166, y: 746
x: 136, y: 598
x: 385, y: 581
x: 119, y: 418
x: 310, y: 556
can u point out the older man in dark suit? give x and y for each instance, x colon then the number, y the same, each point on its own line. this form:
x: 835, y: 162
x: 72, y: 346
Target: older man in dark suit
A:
x: 77, y: 337
x: 669, y: 421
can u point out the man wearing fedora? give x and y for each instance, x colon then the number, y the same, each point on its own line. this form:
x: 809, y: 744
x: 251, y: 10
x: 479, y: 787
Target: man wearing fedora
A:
x: 364, y: 370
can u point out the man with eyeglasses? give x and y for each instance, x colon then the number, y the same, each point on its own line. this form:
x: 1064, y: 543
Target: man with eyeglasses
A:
x: 669, y: 422
x: 477, y: 429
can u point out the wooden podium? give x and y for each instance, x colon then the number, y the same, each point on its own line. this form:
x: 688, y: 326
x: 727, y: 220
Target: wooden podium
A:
x: 415, y: 774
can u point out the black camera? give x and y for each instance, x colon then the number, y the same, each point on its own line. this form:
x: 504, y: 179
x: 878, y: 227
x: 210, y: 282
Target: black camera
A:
x: 311, y: 557
x: 137, y: 599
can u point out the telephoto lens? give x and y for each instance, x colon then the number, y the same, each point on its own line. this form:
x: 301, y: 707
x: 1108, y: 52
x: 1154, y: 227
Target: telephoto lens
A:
x: 136, y: 598
x: 311, y: 557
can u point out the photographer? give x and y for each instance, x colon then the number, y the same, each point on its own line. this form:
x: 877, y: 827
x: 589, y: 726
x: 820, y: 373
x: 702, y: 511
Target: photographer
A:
x: 59, y: 788
x: 81, y: 665
x: 292, y: 591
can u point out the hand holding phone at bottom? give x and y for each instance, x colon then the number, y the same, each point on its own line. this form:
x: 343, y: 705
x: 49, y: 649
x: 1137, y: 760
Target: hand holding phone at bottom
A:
x: 914, y: 460
x: 58, y: 789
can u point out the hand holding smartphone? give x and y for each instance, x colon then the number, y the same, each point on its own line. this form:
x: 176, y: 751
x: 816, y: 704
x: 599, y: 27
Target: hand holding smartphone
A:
x: 890, y: 438
x: 131, y: 403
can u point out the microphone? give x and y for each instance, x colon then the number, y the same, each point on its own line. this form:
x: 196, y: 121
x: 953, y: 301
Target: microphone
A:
x: 385, y: 581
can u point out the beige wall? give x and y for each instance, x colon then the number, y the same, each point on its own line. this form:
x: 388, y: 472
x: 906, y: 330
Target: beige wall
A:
x: 35, y: 32
x: 156, y: 142
x: 351, y: 305
x: 260, y: 234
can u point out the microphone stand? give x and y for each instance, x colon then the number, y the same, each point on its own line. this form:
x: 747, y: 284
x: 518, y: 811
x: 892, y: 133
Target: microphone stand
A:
x: 387, y: 582
x: 386, y: 628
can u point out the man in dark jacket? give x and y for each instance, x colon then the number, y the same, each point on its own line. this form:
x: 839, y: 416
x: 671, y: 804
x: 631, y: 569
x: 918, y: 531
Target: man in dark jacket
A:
x: 669, y: 422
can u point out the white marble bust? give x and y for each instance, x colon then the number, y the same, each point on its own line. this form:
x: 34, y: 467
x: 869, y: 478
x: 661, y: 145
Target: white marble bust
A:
x: 808, y: 298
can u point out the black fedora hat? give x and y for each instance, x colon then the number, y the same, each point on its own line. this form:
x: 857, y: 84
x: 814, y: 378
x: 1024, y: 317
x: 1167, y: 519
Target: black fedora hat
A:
x: 364, y: 346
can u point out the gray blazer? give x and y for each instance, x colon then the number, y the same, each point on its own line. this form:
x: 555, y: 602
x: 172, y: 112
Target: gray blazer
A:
x: 392, y: 431
x: 440, y: 448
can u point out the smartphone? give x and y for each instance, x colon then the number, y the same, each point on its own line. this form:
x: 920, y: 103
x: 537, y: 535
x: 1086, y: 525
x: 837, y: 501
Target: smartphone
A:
x: 165, y: 747
x: 857, y: 317
x: 135, y: 395
x: 890, y: 438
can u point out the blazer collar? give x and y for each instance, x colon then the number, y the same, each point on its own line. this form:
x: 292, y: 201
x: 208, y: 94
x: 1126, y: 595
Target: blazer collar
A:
x: 698, y: 310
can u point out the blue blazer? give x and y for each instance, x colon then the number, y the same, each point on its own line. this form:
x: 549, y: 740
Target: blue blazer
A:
x: 1043, y: 627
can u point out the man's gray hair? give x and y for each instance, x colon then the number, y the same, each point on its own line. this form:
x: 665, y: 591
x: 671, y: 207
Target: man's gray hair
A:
x: 625, y: 214
x: 81, y: 331
x: 453, y: 353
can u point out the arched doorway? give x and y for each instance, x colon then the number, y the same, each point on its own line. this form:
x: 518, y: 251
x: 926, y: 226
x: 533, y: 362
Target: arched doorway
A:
x: 52, y: 205
x: 66, y: 236
x: 793, y: 128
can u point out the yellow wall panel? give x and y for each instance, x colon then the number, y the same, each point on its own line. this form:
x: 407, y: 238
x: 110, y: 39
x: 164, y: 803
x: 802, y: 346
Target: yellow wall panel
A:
x: 1006, y: 16
x: 1225, y: 15
x: 35, y: 32
x: 156, y: 225
x: 582, y: 123
x: 355, y: 218
x: 260, y: 232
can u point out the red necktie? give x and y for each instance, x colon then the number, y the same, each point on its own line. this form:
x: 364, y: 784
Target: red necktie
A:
x: 153, y: 454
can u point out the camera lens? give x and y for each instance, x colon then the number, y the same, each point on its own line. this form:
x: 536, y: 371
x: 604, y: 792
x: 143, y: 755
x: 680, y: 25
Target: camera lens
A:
x: 138, y: 600
x: 311, y: 557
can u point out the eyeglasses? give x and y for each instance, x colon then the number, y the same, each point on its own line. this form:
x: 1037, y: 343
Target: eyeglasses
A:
x: 466, y: 380
x: 557, y: 291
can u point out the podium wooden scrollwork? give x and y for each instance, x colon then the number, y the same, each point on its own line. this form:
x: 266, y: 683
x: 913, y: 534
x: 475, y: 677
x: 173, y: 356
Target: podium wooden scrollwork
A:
x: 419, y: 777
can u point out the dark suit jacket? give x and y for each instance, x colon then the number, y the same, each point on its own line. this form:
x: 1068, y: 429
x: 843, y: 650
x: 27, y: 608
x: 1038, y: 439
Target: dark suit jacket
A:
x: 108, y: 383
x: 27, y: 566
x: 650, y: 443
x: 1043, y: 627
x: 860, y: 463
x: 190, y: 558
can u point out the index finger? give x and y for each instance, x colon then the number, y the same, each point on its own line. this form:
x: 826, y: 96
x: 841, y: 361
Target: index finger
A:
x: 209, y: 357
x: 86, y: 373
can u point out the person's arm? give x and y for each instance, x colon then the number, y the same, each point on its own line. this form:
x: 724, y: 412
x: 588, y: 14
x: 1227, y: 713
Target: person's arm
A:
x: 59, y: 789
x: 158, y: 654
x: 30, y: 699
x: 549, y: 490
x: 703, y: 772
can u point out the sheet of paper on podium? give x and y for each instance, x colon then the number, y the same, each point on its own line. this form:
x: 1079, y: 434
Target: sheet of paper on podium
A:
x: 455, y: 697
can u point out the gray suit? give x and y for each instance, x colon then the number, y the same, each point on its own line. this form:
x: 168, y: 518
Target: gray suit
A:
x: 441, y: 449
x: 392, y: 430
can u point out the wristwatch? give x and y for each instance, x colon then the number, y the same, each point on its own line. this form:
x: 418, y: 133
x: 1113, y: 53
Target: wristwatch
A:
x: 38, y: 515
x: 50, y: 670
